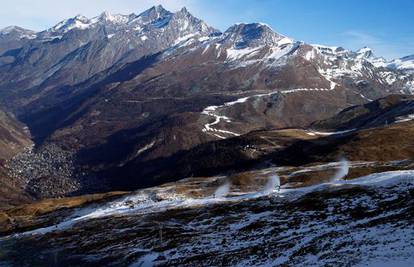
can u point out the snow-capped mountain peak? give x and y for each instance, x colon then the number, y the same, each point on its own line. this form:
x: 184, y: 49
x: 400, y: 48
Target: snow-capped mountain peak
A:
x: 153, y: 14
x: 330, y: 50
x: 184, y: 21
x: 243, y: 44
x: 244, y: 35
x: 18, y: 31
x: 157, y: 22
x: 9, y: 29
x: 403, y: 64
x: 365, y: 52
x: 184, y: 10
x: 107, y: 17
x: 77, y: 22
x: 183, y: 13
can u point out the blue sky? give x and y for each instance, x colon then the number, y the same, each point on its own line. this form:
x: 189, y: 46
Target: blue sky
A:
x: 387, y: 26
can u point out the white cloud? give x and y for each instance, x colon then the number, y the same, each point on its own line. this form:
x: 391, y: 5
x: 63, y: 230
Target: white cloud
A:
x: 389, y: 49
x: 40, y: 14
x: 357, y: 37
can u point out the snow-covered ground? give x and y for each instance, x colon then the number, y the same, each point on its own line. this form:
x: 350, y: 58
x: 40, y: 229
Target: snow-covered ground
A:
x: 342, y: 222
x: 158, y: 199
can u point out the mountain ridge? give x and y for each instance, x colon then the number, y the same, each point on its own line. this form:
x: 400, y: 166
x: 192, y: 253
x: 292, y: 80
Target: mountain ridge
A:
x: 160, y: 83
x: 159, y: 12
x: 236, y: 148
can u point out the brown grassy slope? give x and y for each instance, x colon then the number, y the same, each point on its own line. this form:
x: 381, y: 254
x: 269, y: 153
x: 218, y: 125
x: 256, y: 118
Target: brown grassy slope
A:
x: 386, y: 143
x: 10, y: 192
x: 34, y: 215
x: 373, y: 114
x: 13, y: 137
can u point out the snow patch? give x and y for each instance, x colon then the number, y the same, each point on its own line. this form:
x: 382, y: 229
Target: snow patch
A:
x: 310, y: 55
x: 185, y: 38
x: 313, y: 133
x: 406, y: 118
x: 235, y: 54
x: 145, y: 148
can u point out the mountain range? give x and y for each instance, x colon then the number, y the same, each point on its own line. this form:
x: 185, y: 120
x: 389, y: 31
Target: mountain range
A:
x: 118, y: 92
x: 156, y: 139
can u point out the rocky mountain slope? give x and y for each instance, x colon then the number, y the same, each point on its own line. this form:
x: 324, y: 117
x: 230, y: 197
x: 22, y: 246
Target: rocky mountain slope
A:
x: 76, y: 49
x: 14, y: 139
x: 117, y: 90
x: 12, y: 38
x: 364, y: 221
x: 384, y: 111
x: 244, y: 147
x: 14, y: 136
x: 12, y: 192
x: 354, y: 133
